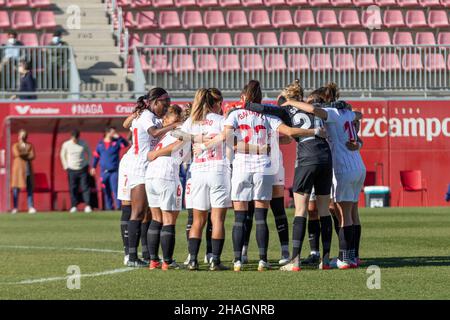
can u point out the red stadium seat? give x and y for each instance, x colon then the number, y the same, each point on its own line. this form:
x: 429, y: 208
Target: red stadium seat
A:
x: 141, y: 3
x: 275, y: 62
x: 416, y: 19
x: 366, y: 62
x: 229, y: 62
x: 40, y: 3
x: 191, y: 20
x: 176, y: 39
x: 183, y: 63
x: 321, y: 62
x: 437, y: 19
x: 207, y: 3
x: 445, y: 3
x: 349, y: 19
x: 407, y: 3
x: 430, y: 3
x: 252, y: 3
x: 402, y: 38
x: 162, y: 3
x: 259, y: 19
x: 123, y: 3
x: 28, y: 39
x: 389, y: 62
x: 344, y: 62
x: 304, y: 18
x: 146, y: 20
x: 298, y: 62
x: 3, y: 38
x: 412, y: 181
x: 425, y: 38
x: 340, y: 3
x: 272, y: 3
x: 371, y: 19
x: 290, y: 38
x: 21, y: 20
x: 326, y: 19
x: 318, y: 3
x: 444, y: 38
x: 45, y: 39
x: 214, y: 19
x: 282, y: 19
x: 152, y: 39
x: 221, y: 39
x: 244, y: 39
x: 129, y: 20
x: 357, y: 38
x: 362, y: 3
x: 169, y: 20
x: 44, y: 20
x: 16, y: 3
x: 385, y: 3
x: 134, y: 40
x: 230, y: 3
x: 380, y: 38
x: 185, y: 3
x: 206, y: 62
x: 4, y: 20
x: 130, y: 63
x: 312, y: 38
x: 335, y: 38
x: 236, y: 19
x: 252, y: 62
x: 393, y: 19
x: 199, y: 39
x: 267, y: 39
x: 296, y: 3
x: 435, y: 62
x: 159, y: 63
x: 412, y: 62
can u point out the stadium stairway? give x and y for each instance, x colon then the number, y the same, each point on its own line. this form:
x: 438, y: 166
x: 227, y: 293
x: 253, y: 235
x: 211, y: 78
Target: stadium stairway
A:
x: 96, y: 55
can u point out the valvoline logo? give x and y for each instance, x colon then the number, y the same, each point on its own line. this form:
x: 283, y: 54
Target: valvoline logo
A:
x: 22, y: 109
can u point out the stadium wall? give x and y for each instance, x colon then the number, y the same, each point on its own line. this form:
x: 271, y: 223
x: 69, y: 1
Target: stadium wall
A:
x: 398, y: 135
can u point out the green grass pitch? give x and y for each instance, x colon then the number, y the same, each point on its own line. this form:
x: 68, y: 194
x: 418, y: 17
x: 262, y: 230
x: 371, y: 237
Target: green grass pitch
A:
x: 410, y: 245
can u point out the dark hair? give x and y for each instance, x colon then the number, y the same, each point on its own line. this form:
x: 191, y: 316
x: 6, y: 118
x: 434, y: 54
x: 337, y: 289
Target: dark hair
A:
x: 252, y: 92
x: 75, y: 133
x: 57, y: 33
x: 155, y: 93
x: 317, y: 96
x: 175, y: 110
x: 331, y: 92
x: 141, y: 105
x: 281, y: 100
x: 12, y: 33
x: 26, y: 65
x: 108, y: 129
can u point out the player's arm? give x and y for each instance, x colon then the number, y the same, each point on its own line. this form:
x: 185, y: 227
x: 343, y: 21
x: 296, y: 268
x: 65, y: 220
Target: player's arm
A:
x: 284, y: 139
x: 159, y: 132
x: 247, y: 148
x: 306, y: 107
x: 299, y: 132
x: 272, y: 110
x: 127, y: 123
x: 166, y: 151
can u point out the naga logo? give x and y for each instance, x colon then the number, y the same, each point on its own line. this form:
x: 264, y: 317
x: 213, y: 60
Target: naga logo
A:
x: 87, y: 109
x: 22, y: 109
x: 429, y: 128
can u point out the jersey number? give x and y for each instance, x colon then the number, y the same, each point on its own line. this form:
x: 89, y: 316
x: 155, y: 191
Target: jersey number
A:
x: 350, y: 128
x: 259, y: 130
x: 136, y: 142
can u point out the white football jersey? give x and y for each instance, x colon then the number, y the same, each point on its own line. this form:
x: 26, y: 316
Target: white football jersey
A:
x: 142, y: 141
x: 213, y: 159
x: 255, y: 129
x: 340, y: 130
x: 165, y: 167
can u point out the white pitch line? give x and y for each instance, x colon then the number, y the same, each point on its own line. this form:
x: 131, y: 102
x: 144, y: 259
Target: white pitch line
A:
x: 86, y: 275
x: 62, y: 248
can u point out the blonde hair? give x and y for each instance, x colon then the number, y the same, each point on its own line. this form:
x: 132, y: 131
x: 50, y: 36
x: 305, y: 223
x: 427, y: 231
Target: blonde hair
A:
x: 294, y: 91
x: 204, y: 103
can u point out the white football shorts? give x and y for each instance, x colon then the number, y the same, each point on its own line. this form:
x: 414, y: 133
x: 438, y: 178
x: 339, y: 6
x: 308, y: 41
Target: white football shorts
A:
x: 251, y: 186
x: 164, y: 194
x: 210, y: 190
x: 349, y: 185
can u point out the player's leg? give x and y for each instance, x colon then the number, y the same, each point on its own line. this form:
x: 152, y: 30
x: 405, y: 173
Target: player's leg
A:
x: 313, y: 231
x: 356, y: 221
x: 188, y: 205
x: 138, y: 210
x: 85, y: 189
x: 326, y: 228
x: 30, y: 201
x: 248, y: 230
x: 281, y: 221
x: 144, y: 229
x: 346, y: 233
x: 124, y: 194
x: 168, y: 239
x: 208, y: 234
x: 124, y: 218
x: 195, y: 236
x: 154, y: 237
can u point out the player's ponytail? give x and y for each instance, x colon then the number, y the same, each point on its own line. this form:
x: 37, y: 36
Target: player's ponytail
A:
x: 141, y: 105
x: 294, y: 91
x: 331, y: 92
x: 252, y: 92
x: 203, y: 104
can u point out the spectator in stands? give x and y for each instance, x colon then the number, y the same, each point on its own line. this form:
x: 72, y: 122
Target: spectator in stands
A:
x: 57, y: 39
x: 12, y: 47
x: 22, y: 171
x: 9, y: 61
x: 108, y: 154
x: 75, y: 158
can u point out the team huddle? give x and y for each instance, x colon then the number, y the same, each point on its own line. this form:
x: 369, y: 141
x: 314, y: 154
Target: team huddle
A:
x: 232, y: 159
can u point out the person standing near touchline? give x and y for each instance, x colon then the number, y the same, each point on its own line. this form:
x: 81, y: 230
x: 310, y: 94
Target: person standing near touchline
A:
x: 108, y: 154
x: 75, y: 158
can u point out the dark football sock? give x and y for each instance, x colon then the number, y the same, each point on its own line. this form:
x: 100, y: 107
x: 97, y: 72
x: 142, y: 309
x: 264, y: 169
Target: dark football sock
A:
x: 209, y: 235
x: 217, y: 246
x: 249, y: 223
x: 238, y: 233
x: 326, y: 229
x: 134, y: 230
x: 337, y: 226
x: 314, y: 235
x: 144, y: 247
x: 298, y: 235
x: 126, y: 214
x: 168, y: 242
x: 262, y: 232
x: 189, y: 223
x: 194, y: 247
x: 345, y: 243
x: 153, y: 239
x: 281, y: 221
x: 357, y: 238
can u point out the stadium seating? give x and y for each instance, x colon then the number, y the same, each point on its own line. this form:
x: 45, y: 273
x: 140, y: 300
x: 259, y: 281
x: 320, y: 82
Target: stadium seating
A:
x: 252, y: 62
x: 236, y: 19
x: 259, y: 19
x: 199, y: 39
x: 275, y: 62
x: 290, y: 38
x: 229, y: 62
x: 282, y: 19
x: 146, y: 20
x: 425, y: 38
x: 349, y: 19
x: 267, y: 39
x: 357, y: 38
x: 244, y: 39
x: 191, y: 20
x: 366, y: 62
x: 214, y: 19
x: 221, y: 39
x: 304, y: 18
x: 206, y: 62
x: 437, y: 19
